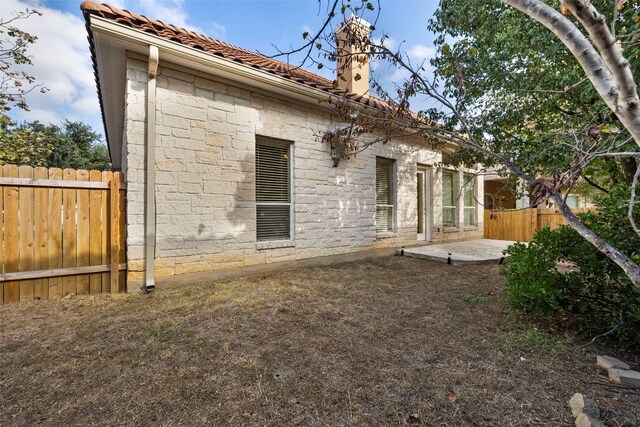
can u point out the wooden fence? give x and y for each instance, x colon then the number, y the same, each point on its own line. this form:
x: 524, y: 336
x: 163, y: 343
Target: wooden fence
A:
x: 521, y: 224
x: 62, y: 232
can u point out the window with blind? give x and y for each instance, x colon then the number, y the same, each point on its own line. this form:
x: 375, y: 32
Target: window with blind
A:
x: 573, y: 202
x: 469, y: 197
x: 449, y: 199
x: 273, y: 189
x: 384, y: 195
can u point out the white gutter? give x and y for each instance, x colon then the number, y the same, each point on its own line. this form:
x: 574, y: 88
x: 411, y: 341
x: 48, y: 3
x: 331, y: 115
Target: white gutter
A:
x: 150, y: 172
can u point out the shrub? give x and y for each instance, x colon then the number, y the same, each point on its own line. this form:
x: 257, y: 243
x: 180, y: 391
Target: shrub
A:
x: 559, y: 271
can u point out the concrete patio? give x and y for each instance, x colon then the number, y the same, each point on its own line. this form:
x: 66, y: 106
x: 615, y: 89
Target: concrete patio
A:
x: 483, y: 251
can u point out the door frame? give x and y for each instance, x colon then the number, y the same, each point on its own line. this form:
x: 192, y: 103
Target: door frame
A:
x: 424, y: 173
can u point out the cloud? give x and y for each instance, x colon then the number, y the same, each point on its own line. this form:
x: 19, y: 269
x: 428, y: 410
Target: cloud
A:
x: 420, y: 53
x: 167, y: 11
x: 117, y: 3
x: 217, y: 30
x: 62, y: 63
x: 388, y: 42
x: 399, y: 75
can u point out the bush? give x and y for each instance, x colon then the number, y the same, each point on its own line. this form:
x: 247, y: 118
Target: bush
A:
x: 560, y: 272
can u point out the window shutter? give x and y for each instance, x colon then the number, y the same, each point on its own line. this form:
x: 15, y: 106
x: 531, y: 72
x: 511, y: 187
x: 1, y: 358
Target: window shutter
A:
x: 469, y: 200
x: 448, y: 199
x: 273, y: 222
x: 384, y: 194
x: 447, y: 189
x: 272, y: 171
x: 383, y: 181
x: 469, y: 189
x: 273, y: 189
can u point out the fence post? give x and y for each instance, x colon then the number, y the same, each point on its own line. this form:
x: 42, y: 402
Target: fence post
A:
x: 114, y: 196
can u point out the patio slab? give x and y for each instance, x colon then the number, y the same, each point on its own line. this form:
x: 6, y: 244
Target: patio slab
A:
x: 482, y: 251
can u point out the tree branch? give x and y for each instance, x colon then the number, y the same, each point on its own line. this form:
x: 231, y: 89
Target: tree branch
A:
x: 594, y: 185
x: 632, y: 199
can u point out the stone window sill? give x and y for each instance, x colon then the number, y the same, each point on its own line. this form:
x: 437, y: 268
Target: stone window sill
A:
x: 451, y: 230
x: 471, y: 228
x: 275, y: 244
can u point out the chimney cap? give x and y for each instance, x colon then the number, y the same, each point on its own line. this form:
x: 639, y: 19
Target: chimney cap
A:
x: 353, y: 19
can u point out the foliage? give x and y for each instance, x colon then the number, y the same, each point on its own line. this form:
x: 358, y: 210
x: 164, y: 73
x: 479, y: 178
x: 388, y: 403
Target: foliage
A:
x: 523, y: 92
x: 73, y: 145
x: 559, y: 271
x: 15, y: 83
x: 21, y: 146
x: 533, y: 280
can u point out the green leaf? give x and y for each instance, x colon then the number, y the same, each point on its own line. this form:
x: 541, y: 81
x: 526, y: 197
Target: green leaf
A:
x: 610, y: 128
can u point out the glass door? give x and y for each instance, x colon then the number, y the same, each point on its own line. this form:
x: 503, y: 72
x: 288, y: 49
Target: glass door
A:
x: 423, y: 192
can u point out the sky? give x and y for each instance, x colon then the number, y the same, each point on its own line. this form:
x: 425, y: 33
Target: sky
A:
x: 62, y: 62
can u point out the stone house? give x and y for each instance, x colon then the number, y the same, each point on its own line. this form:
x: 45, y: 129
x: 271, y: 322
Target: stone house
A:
x: 223, y: 164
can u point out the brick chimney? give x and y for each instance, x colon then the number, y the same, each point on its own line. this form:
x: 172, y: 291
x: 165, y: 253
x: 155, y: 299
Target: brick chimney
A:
x: 352, y: 60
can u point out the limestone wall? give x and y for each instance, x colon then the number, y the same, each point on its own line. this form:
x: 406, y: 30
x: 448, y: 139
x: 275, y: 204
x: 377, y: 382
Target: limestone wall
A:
x: 205, y: 192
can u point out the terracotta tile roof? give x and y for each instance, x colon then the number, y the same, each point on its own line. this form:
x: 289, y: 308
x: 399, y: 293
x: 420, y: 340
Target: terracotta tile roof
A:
x: 212, y: 47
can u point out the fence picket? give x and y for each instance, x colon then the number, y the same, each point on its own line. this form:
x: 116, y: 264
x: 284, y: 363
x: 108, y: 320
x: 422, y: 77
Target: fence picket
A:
x: 69, y: 226
x: 82, y: 232
x: 114, y: 201
x: 55, y: 233
x: 105, y: 231
x: 122, y: 254
x: 61, y: 232
x: 11, y: 235
x: 25, y: 208
x: 41, y: 233
x: 520, y: 225
x: 95, y: 235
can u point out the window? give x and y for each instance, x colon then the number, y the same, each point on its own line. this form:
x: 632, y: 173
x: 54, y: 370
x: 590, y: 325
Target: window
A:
x: 273, y: 189
x: 449, y: 199
x: 469, y: 198
x: 384, y: 195
x: 573, y: 201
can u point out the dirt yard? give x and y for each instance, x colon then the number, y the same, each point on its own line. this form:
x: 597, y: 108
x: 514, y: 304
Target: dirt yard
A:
x: 391, y: 341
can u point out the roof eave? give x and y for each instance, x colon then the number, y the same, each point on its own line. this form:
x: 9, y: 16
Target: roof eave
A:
x: 138, y: 41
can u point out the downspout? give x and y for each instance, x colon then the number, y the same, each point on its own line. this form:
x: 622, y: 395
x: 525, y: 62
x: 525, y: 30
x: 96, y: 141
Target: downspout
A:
x: 150, y: 173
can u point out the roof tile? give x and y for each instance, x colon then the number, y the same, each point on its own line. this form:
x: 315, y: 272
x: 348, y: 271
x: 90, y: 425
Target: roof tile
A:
x: 207, y: 44
x: 213, y: 47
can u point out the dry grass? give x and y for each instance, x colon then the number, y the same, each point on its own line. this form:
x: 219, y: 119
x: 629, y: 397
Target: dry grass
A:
x: 391, y: 341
